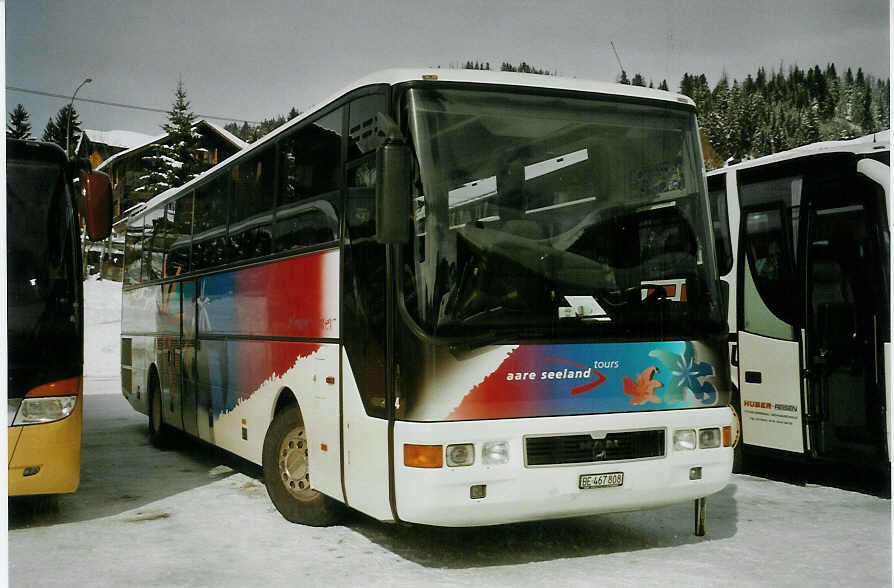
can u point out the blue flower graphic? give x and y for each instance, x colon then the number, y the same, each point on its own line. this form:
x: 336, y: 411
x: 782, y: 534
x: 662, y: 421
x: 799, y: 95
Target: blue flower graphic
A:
x: 686, y: 374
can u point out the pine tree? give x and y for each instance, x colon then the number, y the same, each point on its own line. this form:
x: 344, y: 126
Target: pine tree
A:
x: 51, y: 133
x: 156, y: 167
x: 55, y: 130
x: 175, y: 161
x: 19, y: 126
x: 811, y: 123
x: 638, y: 80
x: 183, y: 141
x: 881, y: 96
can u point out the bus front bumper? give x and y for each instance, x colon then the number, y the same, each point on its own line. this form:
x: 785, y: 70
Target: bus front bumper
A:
x: 46, y: 458
x: 494, y: 494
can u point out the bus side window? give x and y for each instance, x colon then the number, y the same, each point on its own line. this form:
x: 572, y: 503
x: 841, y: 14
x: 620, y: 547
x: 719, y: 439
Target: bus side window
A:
x: 720, y: 220
x: 252, y: 206
x: 309, y: 193
x: 133, y: 251
x: 153, y: 245
x: 179, y: 234
x: 363, y: 131
x: 210, y: 224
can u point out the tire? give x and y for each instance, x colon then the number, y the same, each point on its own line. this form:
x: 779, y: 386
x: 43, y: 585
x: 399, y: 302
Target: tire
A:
x: 287, y: 477
x: 159, y: 433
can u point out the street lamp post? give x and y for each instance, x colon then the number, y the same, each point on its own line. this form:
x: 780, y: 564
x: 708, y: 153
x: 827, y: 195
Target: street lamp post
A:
x: 68, y: 126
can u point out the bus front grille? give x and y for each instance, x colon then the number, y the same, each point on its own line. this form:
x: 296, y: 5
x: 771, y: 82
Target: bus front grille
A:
x: 585, y: 448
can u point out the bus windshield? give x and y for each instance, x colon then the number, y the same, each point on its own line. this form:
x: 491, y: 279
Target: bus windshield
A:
x: 557, y: 215
x: 44, y: 324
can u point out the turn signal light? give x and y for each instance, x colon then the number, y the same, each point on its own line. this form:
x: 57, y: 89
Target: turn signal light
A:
x: 423, y: 456
x: 727, y: 436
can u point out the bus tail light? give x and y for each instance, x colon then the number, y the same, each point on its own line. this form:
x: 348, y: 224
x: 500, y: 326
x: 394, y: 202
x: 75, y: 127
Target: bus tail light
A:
x: 423, y: 456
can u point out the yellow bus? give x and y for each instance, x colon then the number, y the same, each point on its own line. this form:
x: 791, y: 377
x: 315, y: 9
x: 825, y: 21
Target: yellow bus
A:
x: 45, y: 322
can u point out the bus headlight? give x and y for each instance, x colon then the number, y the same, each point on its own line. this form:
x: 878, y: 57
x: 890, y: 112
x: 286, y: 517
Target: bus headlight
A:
x: 708, y: 438
x: 495, y: 453
x: 684, y: 439
x: 460, y: 455
x: 44, y: 410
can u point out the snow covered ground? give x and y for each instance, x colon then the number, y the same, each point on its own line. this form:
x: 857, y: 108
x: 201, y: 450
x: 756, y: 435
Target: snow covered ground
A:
x: 194, y: 516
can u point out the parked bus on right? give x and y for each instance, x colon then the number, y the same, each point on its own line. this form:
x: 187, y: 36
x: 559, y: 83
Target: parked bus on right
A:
x: 803, y: 241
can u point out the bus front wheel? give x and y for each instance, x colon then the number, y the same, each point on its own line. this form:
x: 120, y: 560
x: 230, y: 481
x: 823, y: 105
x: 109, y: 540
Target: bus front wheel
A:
x: 286, y: 473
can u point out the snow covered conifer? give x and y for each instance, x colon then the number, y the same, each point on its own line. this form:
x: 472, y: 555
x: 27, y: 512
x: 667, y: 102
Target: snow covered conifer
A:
x: 175, y: 161
x: 19, y: 126
x: 183, y: 144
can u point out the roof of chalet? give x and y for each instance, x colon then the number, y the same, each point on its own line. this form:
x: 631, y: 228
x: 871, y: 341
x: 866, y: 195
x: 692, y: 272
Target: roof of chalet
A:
x: 116, y: 138
x: 228, y: 136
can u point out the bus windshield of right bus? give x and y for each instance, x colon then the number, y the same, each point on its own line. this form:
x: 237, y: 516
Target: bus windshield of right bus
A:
x: 558, y: 217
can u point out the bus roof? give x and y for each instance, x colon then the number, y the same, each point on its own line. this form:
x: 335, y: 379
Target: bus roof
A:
x: 862, y: 145
x: 470, y: 76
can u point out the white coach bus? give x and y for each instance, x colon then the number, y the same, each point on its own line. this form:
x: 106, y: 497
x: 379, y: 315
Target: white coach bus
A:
x: 805, y: 256
x: 445, y: 297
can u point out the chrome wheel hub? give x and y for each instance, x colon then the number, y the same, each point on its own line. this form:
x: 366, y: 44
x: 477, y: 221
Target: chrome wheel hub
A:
x: 293, y: 465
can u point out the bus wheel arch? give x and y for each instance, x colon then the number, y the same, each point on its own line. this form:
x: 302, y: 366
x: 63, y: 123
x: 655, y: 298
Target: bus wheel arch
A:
x: 286, y: 472
x: 159, y: 432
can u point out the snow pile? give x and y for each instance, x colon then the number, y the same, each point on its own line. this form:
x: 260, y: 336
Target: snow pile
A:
x: 102, y: 334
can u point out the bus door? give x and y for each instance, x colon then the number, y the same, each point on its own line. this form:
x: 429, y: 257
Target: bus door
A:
x: 846, y: 317
x: 769, y: 343
x: 188, y: 396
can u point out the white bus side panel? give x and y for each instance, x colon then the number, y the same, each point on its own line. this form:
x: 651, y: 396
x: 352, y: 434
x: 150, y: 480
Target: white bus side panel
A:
x: 771, y: 410
x: 314, y: 382
x: 366, y: 452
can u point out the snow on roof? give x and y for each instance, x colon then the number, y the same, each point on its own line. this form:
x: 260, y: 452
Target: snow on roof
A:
x: 226, y: 134
x: 870, y: 143
x: 117, y: 138
x: 236, y: 141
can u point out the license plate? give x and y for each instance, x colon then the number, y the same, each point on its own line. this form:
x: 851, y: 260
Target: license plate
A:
x: 610, y: 480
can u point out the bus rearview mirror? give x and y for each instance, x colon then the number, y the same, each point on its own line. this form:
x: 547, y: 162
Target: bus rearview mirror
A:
x: 393, y: 185
x: 97, y: 204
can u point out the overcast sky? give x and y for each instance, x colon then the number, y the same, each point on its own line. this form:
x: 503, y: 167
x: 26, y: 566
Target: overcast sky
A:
x: 251, y: 60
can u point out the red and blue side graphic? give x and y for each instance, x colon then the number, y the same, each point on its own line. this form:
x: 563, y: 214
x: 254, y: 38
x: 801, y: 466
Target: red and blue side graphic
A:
x: 296, y: 299
x: 553, y: 380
